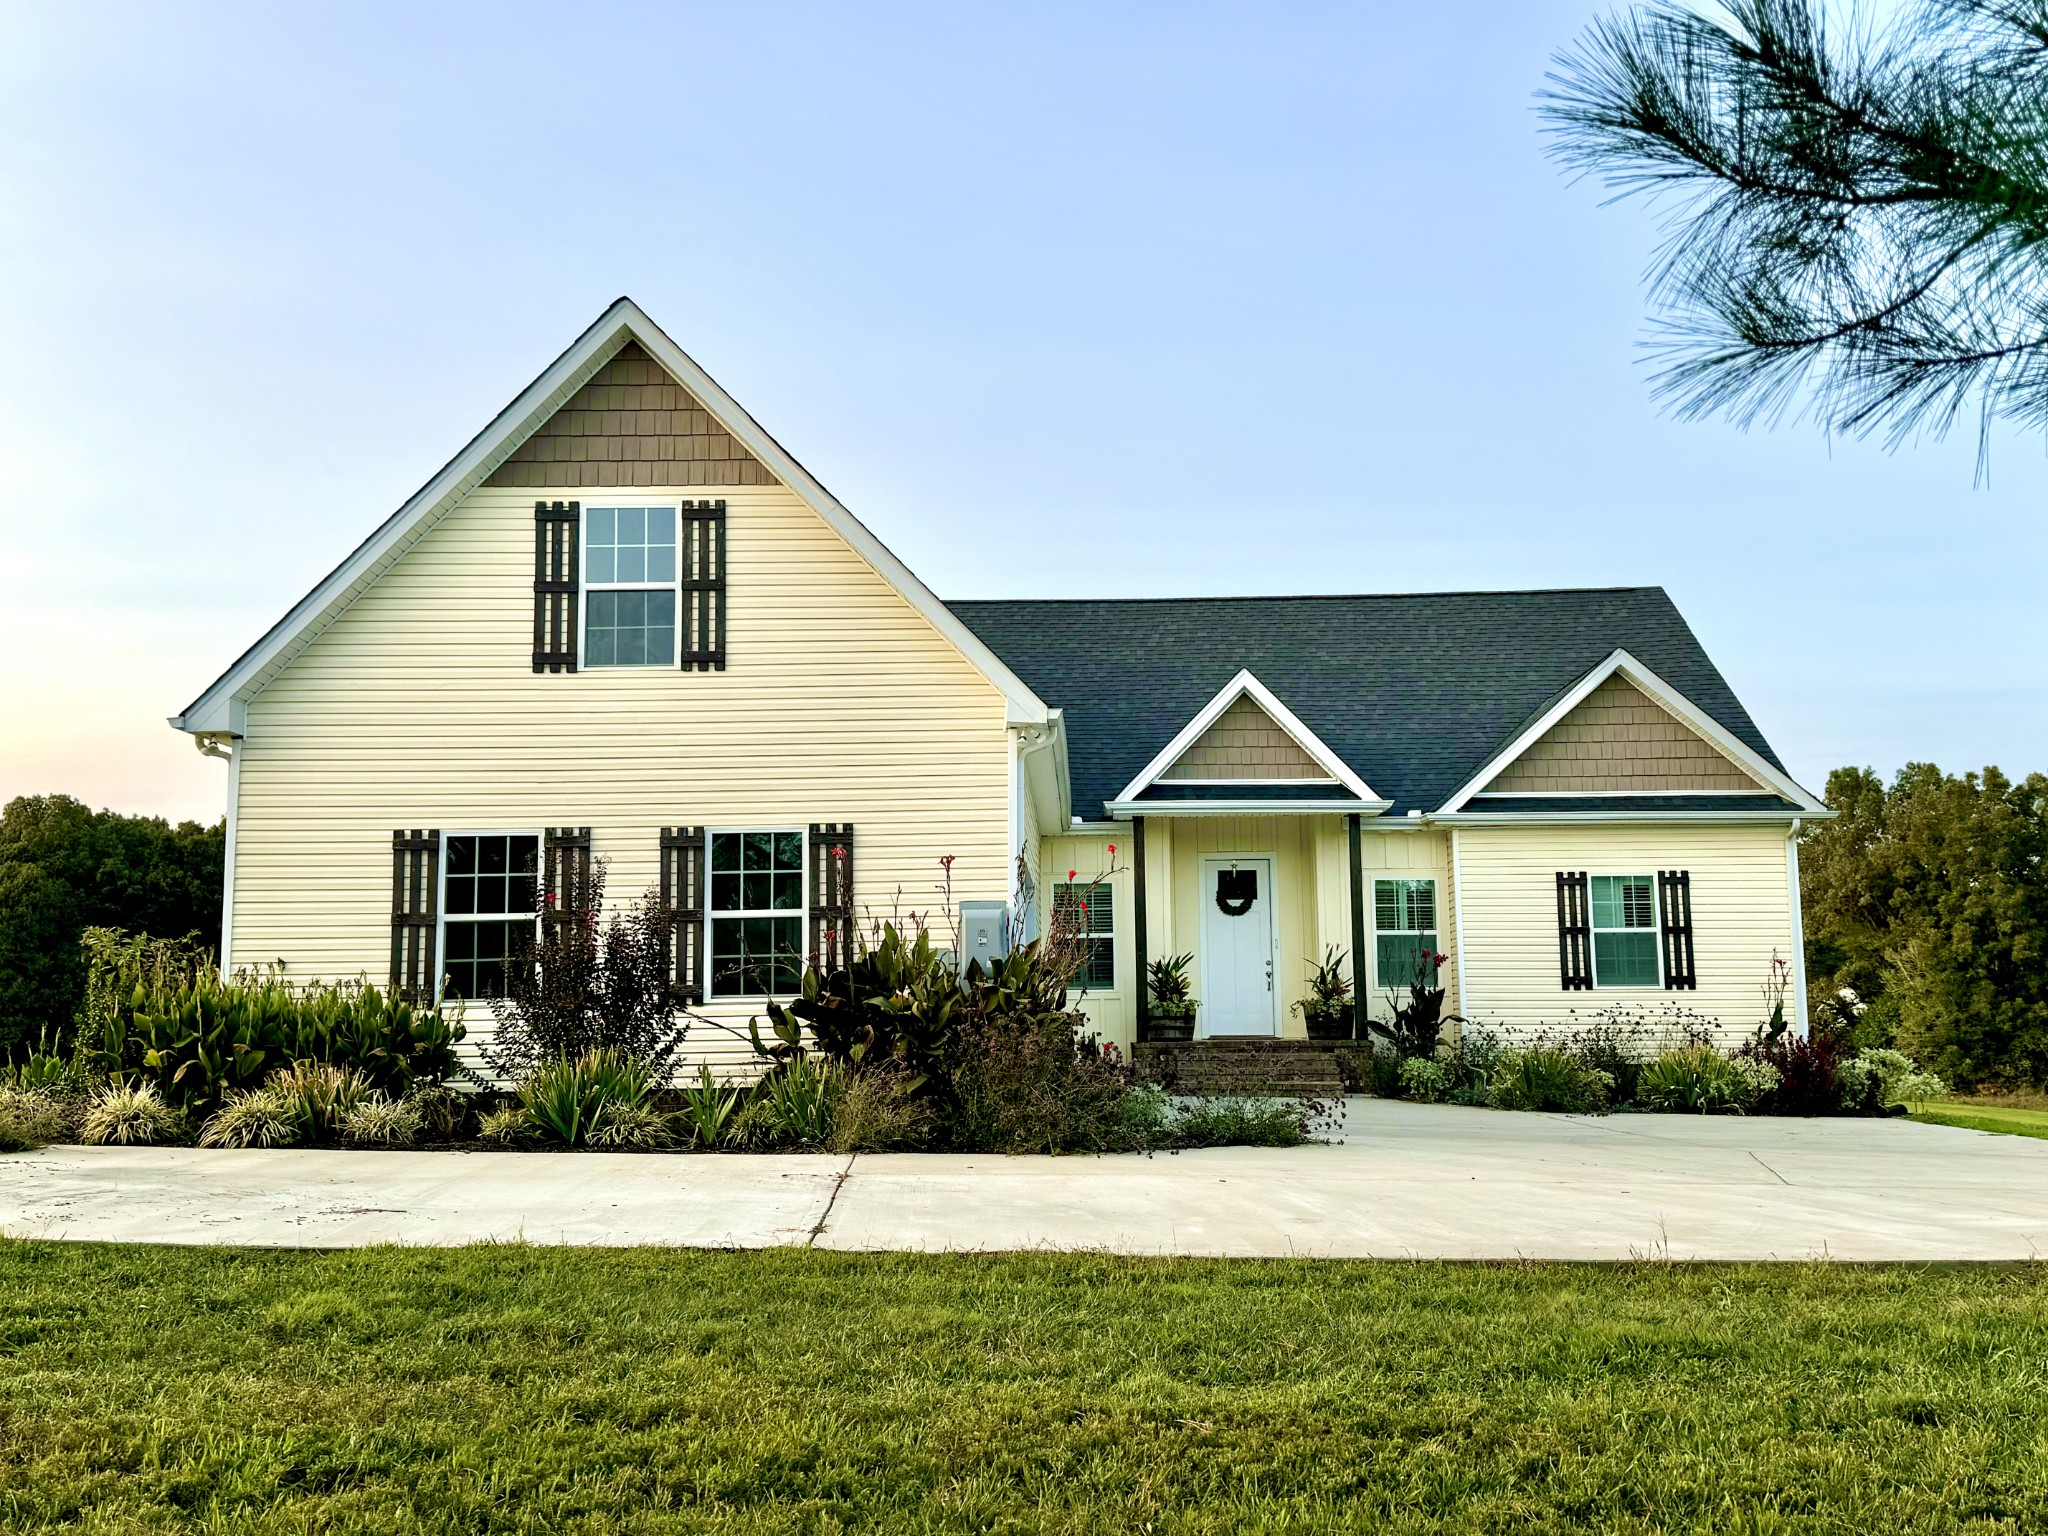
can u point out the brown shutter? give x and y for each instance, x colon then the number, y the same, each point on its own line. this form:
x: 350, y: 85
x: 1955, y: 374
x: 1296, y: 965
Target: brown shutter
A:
x: 1674, y: 902
x: 1574, y: 932
x: 682, y: 903
x: 831, y: 895
x: 567, y: 861
x: 702, y: 558
x: 415, y: 895
x: 555, y: 576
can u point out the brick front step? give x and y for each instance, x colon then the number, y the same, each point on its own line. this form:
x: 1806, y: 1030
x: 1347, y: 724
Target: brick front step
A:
x: 1254, y: 1068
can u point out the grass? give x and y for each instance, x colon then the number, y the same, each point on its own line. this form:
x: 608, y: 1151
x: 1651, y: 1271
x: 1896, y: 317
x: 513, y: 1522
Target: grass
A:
x: 514, y: 1389
x: 1972, y: 1115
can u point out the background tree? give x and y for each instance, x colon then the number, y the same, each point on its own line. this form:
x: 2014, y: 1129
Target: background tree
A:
x: 1858, y: 217
x: 65, y: 867
x: 1930, y: 900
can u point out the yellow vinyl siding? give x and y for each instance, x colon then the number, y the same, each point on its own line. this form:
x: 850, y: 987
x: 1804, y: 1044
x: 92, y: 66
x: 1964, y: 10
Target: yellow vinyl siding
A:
x: 1741, y: 916
x: 418, y: 707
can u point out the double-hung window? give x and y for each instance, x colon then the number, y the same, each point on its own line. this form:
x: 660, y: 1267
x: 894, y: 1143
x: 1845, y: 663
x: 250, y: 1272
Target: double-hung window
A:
x: 629, y: 586
x: 1088, y: 912
x: 489, y: 882
x: 1625, y: 931
x: 1404, y: 926
x: 756, y: 913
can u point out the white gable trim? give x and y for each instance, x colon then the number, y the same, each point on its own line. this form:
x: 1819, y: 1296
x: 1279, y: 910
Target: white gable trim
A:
x: 1660, y: 693
x: 223, y: 706
x: 1238, y: 687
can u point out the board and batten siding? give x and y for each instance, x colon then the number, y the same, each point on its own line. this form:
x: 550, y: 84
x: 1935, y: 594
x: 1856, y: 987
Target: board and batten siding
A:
x: 1741, y: 905
x: 418, y: 707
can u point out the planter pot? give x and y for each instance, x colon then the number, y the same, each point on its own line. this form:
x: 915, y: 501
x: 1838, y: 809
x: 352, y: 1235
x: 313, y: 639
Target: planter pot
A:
x: 1328, y: 1026
x: 1170, y: 1030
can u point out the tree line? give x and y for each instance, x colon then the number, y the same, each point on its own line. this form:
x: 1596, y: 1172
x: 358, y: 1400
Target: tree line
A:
x: 1926, y: 904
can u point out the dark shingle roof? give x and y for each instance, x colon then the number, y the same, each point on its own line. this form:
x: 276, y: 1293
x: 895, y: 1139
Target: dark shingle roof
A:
x: 1414, y: 692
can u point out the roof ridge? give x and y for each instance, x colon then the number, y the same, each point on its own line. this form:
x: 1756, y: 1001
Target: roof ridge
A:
x: 1303, y: 597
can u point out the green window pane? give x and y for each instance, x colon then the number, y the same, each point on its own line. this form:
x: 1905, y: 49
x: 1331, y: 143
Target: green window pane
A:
x: 1400, y: 955
x: 756, y: 956
x: 1624, y: 901
x: 1625, y: 959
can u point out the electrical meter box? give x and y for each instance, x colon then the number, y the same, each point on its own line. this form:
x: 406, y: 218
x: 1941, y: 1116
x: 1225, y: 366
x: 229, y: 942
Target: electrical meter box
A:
x: 984, y: 932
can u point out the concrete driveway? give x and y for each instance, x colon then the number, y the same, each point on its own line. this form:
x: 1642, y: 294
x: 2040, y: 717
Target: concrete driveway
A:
x: 1407, y: 1181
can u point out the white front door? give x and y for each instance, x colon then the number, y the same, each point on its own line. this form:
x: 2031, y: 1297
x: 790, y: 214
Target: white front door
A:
x: 1237, y: 948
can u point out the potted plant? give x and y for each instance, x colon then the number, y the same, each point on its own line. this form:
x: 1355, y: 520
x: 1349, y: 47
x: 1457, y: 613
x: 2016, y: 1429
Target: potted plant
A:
x: 1329, y: 1010
x: 1172, y: 1011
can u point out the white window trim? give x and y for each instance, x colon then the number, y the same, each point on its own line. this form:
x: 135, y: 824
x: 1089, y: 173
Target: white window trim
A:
x: 585, y: 586
x: 540, y: 875
x: 1655, y: 931
x: 1116, y: 965
x: 802, y: 912
x: 1436, y: 906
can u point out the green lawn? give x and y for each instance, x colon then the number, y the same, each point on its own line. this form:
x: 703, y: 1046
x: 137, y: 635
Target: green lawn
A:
x: 1984, y: 1117
x: 560, y: 1390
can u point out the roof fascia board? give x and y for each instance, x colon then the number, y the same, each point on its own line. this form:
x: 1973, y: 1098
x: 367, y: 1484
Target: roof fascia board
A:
x: 1565, y: 818
x: 1240, y: 685
x: 622, y: 322
x: 1126, y: 809
x: 1024, y: 707
x: 1661, y: 693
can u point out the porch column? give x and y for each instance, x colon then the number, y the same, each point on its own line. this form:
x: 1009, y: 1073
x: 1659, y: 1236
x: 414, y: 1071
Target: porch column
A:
x: 1138, y: 906
x: 1358, y: 1006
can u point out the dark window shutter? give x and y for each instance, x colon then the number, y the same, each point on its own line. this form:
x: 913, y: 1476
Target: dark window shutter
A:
x: 415, y: 892
x: 682, y: 903
x: 702, y: 562
x: 1674, y: 901
x: 556, y: 525
x: 567, y: 861
x: 1574, y: 932
x: 831, y: 895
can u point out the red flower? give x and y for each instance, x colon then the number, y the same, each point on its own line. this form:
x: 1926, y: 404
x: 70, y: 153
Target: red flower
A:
x: 1112, y: 850
x: 1072, y: 872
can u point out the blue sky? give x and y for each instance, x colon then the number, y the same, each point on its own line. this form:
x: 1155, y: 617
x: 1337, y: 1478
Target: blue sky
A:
x: 1084, y: 299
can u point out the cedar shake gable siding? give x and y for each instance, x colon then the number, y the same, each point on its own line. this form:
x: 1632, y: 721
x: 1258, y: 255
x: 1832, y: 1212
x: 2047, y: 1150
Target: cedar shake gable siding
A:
x: 631, y: 425
x: 1618, y: 740
x: 1246, y: 743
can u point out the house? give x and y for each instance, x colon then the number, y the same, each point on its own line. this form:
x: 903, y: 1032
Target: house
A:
x: 623, y: 623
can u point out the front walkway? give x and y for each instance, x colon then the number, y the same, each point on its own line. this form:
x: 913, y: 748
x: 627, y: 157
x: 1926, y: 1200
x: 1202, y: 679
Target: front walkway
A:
x: 1408, y: 1181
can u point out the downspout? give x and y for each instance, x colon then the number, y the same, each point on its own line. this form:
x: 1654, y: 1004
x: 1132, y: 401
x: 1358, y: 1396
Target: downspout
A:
x: 1458, y: 921
x: 1799, y: 1015
x: 228, y: 748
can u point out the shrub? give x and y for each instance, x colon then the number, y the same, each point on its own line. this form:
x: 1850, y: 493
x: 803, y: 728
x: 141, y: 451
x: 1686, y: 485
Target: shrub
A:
x: 130, y: 1115
x: 376, y: 1121
x: 632, y: 1128
x: 1241, y: 1122
x: 709, y: 1110
x: 1546, y: 1078
x: 586, y: 986
x: 1418, y: 1021
x: 1424, y: 1080
x: 321, y: 1096
x: 255, y: 1117
x: 1700, y: 1079
x: 567, y: 1100
x: 442, y: 1111
x: 877, y: 1112
x: 1027, y: 1082
x: 1469, y: 1064
x: 1810, y: 1078
x: 509, y: 1125
x: 29, y: 1118
x: 792, y: 1105
x: 1881, y: 1076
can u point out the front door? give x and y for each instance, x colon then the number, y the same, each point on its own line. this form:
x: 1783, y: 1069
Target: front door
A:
x: 1237, y: 948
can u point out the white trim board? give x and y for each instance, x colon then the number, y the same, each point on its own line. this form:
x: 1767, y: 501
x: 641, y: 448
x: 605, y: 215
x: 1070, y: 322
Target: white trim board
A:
x: 1239, y: 687
x: 224, y: 704
x: 1666, y: 697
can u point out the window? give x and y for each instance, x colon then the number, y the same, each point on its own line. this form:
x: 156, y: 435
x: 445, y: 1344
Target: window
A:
x: 757, y: 913
x: 488, y: 909
x: 629, y: 586
x: 1404, y: 919
x: 1625, y: 931
x: 1089, y: 912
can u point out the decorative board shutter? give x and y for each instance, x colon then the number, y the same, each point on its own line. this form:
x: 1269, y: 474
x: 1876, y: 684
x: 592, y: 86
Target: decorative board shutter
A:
x: 703, y: 571
x: 1674, y: 903
x: 415, y: 892
x: 567, y: 874
x: 831, y: 895
x: 555, y: 578
x: 1574, y: 932
x: 682, y: 903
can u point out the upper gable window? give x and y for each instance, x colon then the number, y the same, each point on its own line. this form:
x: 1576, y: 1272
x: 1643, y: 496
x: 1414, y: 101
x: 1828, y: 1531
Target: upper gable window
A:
x: 629, y: 586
